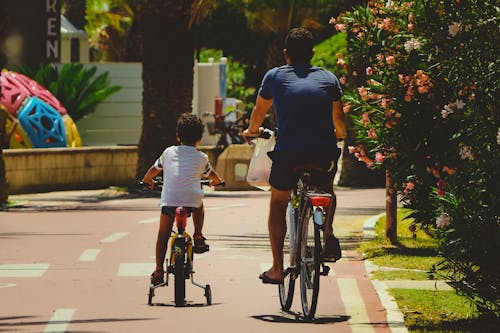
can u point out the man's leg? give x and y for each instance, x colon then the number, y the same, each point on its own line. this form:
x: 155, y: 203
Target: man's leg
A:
x: 332, y: 251
x: 277, y: 230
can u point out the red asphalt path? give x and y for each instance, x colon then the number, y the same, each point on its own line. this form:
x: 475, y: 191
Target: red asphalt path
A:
x: 101, y: 295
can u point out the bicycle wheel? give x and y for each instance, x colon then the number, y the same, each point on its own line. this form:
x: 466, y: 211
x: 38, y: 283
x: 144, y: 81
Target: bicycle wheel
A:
x: 310, y: 256
x: 287, y: 287
x: 179, y: 272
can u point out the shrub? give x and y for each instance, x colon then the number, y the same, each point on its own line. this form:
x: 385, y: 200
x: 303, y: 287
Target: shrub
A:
x: 77, y: 87
x: 424, y: 107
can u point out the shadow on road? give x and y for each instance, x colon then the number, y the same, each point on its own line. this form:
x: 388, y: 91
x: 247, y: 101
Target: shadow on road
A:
x: 11, y: 322
x: 295, y: 317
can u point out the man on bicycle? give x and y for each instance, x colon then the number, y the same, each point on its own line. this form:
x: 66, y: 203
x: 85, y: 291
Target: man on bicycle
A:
x: 308, y: 108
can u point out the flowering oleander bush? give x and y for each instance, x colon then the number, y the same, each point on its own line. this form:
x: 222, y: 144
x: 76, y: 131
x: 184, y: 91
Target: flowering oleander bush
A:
x: 423, y: 102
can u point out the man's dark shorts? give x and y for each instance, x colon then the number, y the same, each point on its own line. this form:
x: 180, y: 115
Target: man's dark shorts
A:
x: 283, y: 171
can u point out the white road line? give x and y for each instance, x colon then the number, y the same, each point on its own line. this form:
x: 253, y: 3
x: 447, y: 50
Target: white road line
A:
x: 114, y: 237
x: 265, y: 266
x: 23, y: 270
x: 225, y: 206
x: 59, y: 321
x: 7, y: 285
x: 354, y: 305
x: 151, y: 220
x: 135, y: 269
x: 89, y: 255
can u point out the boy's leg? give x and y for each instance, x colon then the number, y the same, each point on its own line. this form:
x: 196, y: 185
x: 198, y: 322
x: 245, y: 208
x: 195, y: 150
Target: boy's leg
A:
x: 198, y: 220
x: 164, y: 231
x: 200, y: 246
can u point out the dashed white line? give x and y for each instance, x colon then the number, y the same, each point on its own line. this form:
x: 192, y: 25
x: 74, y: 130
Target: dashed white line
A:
x: 225, y: 206
x: 151, y: 220
x: 23, y: 270
x: 354, y: 305
x: 135, y: 269
x: 114, y: 237
x: 7, y: 285
x: 59, y: 321
x: 89, y: 255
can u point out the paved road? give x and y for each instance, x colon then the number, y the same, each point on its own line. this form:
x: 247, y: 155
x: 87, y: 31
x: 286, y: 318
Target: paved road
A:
x: 80, y: 261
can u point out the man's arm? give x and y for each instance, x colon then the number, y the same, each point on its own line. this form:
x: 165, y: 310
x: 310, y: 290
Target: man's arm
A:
x: 339, y: 120
x: 257, y: 117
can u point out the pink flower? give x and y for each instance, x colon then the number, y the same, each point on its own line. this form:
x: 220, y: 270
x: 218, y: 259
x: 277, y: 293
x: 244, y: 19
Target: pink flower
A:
x: 340, y: 27
x: 365, y: 119
x: 441, y: 187
x: 352, y: 149
x: 343, y: 79
x: 341, y: 62
x: 379, y: 157
x: 390, y: 60
x: 410, y: 26
x: 372, y: 134
x: 385, y: 103
x: 410, y: 186
x: 346, y: 108
x: 332, y: 21
x: 443, y: 221
x: 380, y: 57
x: 369, y: 71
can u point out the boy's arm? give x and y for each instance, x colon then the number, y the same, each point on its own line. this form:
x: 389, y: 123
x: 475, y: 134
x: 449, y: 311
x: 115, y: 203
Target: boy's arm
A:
x: 150, y: 174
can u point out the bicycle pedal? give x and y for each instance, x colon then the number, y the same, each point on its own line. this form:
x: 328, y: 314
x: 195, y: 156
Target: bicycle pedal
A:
x: 326, y: 270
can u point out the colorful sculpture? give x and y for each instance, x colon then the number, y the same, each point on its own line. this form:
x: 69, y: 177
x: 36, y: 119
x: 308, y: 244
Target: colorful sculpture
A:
x: 35, y: 118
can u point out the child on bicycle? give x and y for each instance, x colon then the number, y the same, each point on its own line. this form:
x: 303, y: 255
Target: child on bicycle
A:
x: 182, y: 165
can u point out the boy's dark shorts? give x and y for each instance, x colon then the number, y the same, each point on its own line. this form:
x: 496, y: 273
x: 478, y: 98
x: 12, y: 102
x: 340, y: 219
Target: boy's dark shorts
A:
x: 284, y: 178
x: 170, y: 210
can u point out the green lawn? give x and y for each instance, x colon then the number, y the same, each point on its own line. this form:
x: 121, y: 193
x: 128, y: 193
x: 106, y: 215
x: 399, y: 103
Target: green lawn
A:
x: 428, y: 311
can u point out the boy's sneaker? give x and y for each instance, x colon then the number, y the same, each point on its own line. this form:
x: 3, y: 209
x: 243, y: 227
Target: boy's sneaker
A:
x: 157, y: 277
x: 199, y: 244
x: 332, y: 249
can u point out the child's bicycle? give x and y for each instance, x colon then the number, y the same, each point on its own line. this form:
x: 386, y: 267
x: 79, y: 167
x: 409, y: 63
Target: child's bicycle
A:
x: 181, y: 258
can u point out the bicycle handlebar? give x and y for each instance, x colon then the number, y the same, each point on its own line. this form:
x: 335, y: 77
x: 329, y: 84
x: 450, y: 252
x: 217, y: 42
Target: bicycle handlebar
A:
x: 158, y: 184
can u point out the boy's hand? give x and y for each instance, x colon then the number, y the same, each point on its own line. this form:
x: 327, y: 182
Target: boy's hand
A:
x: 150, y: 182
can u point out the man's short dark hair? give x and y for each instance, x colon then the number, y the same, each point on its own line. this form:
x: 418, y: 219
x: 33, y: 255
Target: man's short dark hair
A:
x: 189, y: 128
x: 299, y: 45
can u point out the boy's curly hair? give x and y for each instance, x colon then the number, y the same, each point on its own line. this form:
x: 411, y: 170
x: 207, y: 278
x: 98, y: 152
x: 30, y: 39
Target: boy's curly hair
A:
x: 189, y: 128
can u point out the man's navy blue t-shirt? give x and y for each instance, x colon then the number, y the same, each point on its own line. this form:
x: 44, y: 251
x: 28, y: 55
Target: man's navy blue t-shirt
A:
x: 302, y: 97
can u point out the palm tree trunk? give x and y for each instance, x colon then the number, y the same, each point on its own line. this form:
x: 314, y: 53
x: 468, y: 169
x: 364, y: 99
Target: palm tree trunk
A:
x: 167, y: 74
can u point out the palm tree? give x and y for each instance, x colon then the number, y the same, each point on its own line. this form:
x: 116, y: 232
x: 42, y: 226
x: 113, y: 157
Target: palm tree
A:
x: 168, y: 59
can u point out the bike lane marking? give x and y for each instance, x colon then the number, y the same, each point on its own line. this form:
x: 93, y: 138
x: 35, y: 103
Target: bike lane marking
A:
x: 89, y: 255
x: 114, y: 237
x: 59, y: 321
x: 23, y: 270
x: 354, y: 304
x: 135, y: 269
x: 151, y: 220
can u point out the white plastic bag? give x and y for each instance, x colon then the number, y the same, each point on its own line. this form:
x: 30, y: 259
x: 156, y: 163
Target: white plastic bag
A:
x: 260, y: 164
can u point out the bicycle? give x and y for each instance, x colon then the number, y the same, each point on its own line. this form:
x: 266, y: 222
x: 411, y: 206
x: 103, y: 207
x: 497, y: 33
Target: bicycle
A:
x: 181, y: 258
x: 308, y: 209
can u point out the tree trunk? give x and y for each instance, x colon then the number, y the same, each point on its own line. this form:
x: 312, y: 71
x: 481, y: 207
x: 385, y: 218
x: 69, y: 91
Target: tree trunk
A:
x: 391, y: 210
x: 167, y: 74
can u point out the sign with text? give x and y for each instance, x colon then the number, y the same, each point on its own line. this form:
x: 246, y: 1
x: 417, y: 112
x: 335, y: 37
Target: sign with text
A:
x: 33, y: 33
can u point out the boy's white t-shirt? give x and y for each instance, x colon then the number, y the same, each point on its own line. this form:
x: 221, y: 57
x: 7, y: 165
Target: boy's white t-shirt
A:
x: 182, y: 167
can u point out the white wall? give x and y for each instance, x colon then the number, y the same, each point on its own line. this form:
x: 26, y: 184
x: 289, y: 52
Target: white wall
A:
x: 118, y: 119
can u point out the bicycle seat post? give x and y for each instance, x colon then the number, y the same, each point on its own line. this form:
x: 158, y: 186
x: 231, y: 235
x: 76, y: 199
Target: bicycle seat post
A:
x: 181, y: 215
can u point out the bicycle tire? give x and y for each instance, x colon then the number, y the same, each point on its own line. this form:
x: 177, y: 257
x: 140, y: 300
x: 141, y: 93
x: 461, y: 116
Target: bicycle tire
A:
x: 287, y: 287
x: 309, y: 260
x: 179, y: 273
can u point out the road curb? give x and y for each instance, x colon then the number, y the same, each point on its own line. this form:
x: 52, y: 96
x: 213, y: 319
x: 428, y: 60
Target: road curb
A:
x: 395, y: 318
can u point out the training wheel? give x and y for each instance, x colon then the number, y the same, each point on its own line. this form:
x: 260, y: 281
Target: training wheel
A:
x: 208, y: 294
x: 150, y: 296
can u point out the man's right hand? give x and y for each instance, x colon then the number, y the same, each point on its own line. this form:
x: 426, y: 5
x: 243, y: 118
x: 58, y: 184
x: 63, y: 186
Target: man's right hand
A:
x: 249, y: 136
